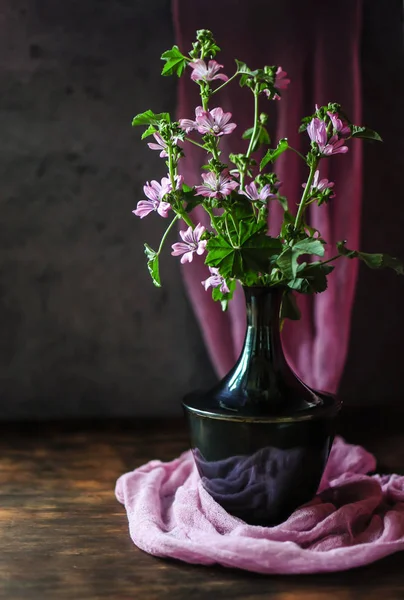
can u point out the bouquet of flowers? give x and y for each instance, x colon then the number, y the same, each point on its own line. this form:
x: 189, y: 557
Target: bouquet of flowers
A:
x: 236, y: 194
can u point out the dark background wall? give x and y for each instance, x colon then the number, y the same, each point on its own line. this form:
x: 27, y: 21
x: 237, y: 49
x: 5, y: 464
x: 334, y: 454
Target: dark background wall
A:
x: 374, y: 368
x: 83, y: 331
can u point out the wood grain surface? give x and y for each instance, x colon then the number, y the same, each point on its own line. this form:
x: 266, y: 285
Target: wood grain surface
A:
x: 64, y: 536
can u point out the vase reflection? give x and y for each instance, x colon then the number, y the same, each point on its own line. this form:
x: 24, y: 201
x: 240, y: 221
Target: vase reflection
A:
x: 265, y: 487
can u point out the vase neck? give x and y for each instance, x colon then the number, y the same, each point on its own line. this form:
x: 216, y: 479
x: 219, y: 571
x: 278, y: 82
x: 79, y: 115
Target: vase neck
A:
x: 261, y: 381
x: 263, y: 307
x: 263, y: 338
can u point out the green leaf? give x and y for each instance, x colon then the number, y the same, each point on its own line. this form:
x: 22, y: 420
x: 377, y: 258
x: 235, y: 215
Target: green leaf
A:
x: 381, y: 261
x: 309, y: 246
x: 272, y: 155
x: 287, y: 261
x: 316, y: 276
x: 248, y: 228
x: 312, y: 278
x: 188, y: 195
x: 149, y: 118
x: 243, y: 69
x: 153, y: 264
x: 192, y: 202
x: 344, y: 251
x: 289, y: 307
x: 248, y: 133
x: 150, y: 253
x: 374, y: 261
x: 257, y: 251
x: 242, y: 209
x: 175, y: 62
x: 287, y: 225
x: 252, y: 254
x: 365, y: 133
x: 262, y: 137
x: 305, y: 122
x: 149, y: 131
x: 283, y: 201
x: 220, y: 254
x: 246, y: 73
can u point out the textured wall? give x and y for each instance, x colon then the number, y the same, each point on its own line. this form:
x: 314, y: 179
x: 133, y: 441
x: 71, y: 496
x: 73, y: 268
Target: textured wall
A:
x: 83, y: 330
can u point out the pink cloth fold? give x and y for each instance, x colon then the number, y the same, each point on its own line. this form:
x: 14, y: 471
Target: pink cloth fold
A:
x: 354, y: 520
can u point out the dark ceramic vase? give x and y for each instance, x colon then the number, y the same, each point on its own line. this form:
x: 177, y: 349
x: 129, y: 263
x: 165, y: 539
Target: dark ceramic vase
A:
x: 261, y: 437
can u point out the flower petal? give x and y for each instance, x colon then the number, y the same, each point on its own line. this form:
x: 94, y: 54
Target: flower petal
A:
x: 144, y: 208
x: 187, y: 125
x: 187, y: 257
x: 163, y: 209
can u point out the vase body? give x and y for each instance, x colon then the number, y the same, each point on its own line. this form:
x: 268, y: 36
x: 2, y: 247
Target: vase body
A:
x: 261, y: 437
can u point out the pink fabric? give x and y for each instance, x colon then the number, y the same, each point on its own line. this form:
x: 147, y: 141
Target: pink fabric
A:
x: 318, y: 44
x: 356, y: 519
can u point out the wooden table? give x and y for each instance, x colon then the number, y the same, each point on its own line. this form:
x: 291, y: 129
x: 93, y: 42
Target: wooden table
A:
x: 64, y: 536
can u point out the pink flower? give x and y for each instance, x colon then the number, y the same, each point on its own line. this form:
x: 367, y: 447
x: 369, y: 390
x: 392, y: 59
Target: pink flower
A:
x: 215, y: 186
x: 213, y: 121
x: 155, y: 193
x: 161, y: 145
x: 191, y: 242
x: 188, y: 124
x: 281, y: 83
x: 201, y: 72
x: 334, y: 146
x: 215, y: 280
x: 321, y: 185
x: 179, y: 180
x: 253, y: 194
x: 317, y: 131
x: 341, y: 127
x: 271, y: 96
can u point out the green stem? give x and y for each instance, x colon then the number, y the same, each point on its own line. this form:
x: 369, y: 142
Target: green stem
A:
x: 211, y: 215
x: 171, y: 171
x: 297, y: 152
x: 195, y: 143
x: 252, y: 140
x: 324, y: 262
x: 215, y: 151
x: 187, y: 219
x: 171, y: 166
x: 163, y: 239
x: 225, y: 83
x: 255, y: 213
x: 235, y: 228
x: 254, y: 134
x: 228, y: 232
x: 306, y: 193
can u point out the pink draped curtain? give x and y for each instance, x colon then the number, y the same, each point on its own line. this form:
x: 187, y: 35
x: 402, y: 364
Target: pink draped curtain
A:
x: 318, y: 44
